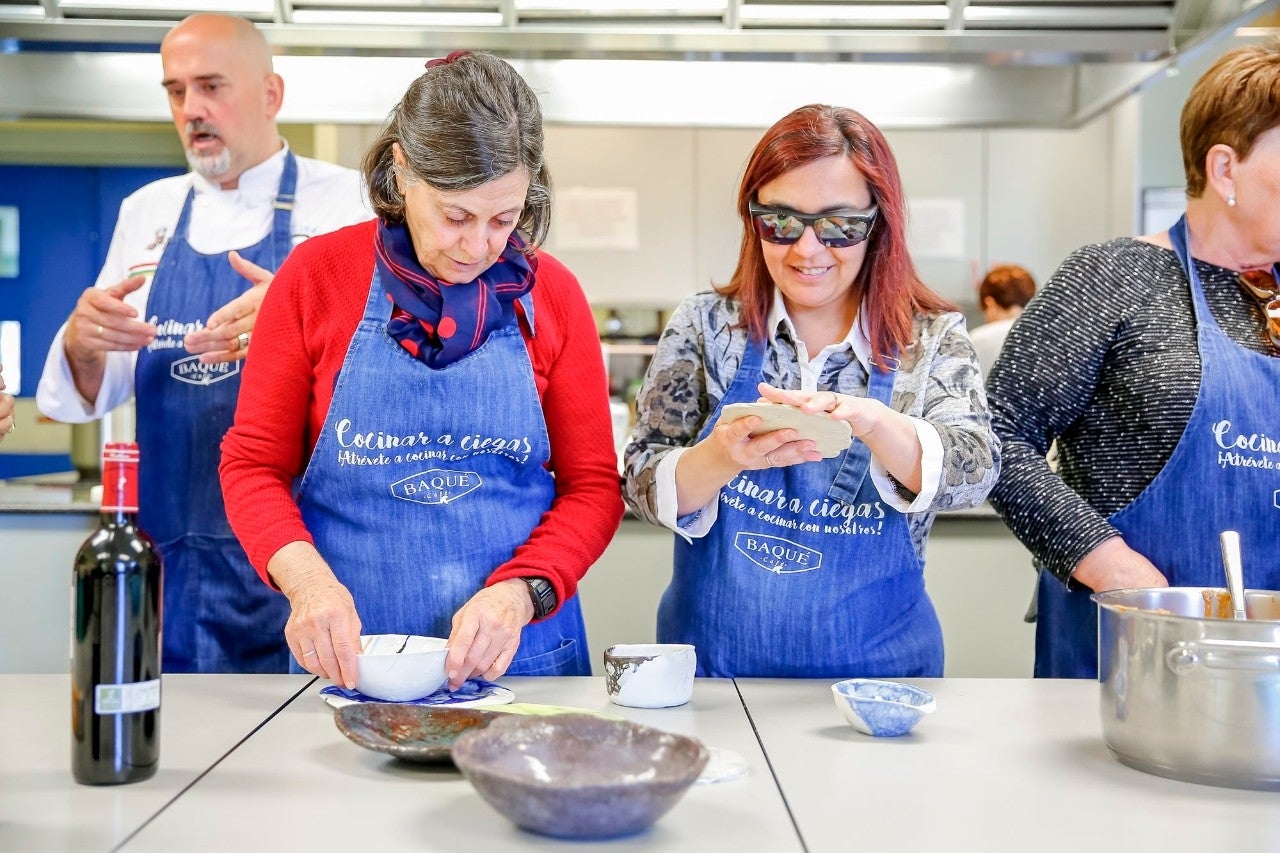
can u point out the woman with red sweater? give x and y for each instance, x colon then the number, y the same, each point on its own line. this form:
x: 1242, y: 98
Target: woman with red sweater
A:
x: 422, y: 442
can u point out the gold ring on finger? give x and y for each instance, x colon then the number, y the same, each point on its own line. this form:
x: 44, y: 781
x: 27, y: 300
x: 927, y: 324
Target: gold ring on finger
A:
x: 99, y: 330
x: 242, y: 341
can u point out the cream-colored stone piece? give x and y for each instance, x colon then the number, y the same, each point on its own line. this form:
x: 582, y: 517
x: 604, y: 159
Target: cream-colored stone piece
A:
x: 830, y: 435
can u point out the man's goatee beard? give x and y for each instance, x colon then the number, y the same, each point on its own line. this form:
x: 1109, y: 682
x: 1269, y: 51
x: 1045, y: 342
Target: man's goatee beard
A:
x: 209, y: 166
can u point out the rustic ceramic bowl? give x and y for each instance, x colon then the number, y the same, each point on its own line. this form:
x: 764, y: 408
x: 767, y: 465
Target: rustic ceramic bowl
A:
x: 577, y: 776
x: 400, y: 667
x: 882, y: 708
x: 411, y: 732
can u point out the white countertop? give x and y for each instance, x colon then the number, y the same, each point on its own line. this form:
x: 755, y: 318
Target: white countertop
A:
x: 42, y: 808
x: 299, y: 784
x: 252, y: 763
x: 1002, y: 765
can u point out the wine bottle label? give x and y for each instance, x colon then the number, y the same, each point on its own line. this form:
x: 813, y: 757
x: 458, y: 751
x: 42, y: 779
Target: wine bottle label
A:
x: 120, y: 477
x: 127, y: 698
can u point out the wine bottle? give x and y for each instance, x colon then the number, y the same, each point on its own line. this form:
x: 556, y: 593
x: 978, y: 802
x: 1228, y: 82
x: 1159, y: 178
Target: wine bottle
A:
x: 115, y: 660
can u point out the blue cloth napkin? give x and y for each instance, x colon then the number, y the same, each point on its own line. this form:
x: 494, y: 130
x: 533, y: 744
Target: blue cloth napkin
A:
x: 471, y: 690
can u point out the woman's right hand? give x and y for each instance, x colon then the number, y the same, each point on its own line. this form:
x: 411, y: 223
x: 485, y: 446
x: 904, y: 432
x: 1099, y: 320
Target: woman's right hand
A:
x: 323, y: 630
x: 727, y: 451
x: 1114, y: 565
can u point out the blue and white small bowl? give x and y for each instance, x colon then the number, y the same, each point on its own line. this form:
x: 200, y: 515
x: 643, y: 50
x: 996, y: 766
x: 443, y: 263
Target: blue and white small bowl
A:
x: 881, y: 708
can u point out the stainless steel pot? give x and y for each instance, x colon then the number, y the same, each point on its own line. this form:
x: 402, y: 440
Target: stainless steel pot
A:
x: 1191, y: 697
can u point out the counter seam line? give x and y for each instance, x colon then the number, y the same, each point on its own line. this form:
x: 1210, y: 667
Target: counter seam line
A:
x: 220, y: 759
x: 776, y: 782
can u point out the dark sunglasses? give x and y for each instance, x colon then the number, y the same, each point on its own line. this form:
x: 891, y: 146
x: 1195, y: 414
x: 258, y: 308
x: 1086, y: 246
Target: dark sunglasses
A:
x: 1262, y: 286
x: 835, y: 230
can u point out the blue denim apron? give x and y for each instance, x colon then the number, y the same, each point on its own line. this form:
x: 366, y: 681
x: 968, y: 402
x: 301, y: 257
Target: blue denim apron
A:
x: 424, y: 481
x: 806, y: 572
x: 218, y: 614
x: 1212, y: 482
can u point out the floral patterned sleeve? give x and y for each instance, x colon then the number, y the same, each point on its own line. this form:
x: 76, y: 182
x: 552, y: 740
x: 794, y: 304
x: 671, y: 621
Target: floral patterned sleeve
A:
x: 679, y: 393
x: 949, y: 395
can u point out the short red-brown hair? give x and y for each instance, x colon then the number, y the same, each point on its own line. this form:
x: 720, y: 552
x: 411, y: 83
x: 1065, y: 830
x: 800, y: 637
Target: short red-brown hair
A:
x: 887, y: 287
x: 1233, y: 103
x: 1008, y: 285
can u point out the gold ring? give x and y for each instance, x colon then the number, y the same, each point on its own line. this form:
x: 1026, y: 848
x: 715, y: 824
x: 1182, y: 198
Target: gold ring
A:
x: 99, y: 330
x: 242, y: 341
x: 308, y: 654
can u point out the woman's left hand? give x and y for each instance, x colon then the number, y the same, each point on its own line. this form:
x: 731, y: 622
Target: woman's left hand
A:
x: 861, y: 413
x: 891, y: 436
x: 486, y: 632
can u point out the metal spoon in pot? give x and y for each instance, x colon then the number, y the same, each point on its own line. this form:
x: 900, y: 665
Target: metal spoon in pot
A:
x: 1231, y: 561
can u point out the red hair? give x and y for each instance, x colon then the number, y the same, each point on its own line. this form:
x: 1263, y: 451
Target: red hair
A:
x: 887, y: 286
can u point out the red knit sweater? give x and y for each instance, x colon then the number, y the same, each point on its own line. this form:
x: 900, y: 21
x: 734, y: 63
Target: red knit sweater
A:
x: 299, y: 343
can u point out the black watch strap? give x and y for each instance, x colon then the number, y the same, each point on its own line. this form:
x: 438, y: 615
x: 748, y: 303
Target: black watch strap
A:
x: 543, y: 595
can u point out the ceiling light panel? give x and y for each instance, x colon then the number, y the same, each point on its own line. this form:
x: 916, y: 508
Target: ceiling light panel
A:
x: 29, y: 11
x: 136, y: 8
x: 604, y: 7
x: 1062, y: 16
x: 393, y: 18
x: 844, y: 15
x: 403, y: 5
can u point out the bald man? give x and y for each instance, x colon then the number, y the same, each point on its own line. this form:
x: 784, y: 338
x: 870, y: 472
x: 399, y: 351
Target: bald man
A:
x: 170, y: 319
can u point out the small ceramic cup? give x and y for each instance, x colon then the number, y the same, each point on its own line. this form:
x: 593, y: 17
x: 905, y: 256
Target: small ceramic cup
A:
x: 652, y: 675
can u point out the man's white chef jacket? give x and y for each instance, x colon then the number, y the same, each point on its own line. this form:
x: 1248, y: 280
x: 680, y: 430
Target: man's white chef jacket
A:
x: 328, y: 197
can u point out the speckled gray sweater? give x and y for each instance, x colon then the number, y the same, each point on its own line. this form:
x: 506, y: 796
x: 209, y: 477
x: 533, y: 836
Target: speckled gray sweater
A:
x: 1104, y: 360
x: 699, y: 353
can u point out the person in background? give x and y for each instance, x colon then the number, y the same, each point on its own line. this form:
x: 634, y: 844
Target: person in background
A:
x: 7, y: 422
x: 169, y: 321
x: 1150, y: 361
x: 438, y: 385
x: 1005, y: 290
x: 787, y: 564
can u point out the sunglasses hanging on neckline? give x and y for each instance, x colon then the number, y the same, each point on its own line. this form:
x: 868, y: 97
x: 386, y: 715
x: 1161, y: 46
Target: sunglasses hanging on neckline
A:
x: 1262, y: 285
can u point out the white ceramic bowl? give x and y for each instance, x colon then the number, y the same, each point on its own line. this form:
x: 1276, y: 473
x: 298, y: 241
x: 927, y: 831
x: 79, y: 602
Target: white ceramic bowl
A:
x: 882, y: 708
x: 385, y: 672
x: 650, y: 675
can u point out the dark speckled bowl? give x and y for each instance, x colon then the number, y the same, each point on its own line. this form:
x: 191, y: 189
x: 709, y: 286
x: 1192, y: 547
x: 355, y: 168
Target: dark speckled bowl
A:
x: 576, y: 776
x: 412, y: 732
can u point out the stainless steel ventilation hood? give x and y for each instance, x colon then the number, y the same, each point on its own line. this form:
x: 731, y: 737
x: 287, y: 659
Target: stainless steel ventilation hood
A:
x: 911, y: 63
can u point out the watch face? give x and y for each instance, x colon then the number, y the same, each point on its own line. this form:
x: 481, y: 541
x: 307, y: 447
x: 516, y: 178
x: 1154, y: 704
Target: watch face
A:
x: 543, y: 595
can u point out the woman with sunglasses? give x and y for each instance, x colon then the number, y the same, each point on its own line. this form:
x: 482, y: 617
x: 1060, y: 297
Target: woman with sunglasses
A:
x: 1150, y: 361
x: 788, y: 563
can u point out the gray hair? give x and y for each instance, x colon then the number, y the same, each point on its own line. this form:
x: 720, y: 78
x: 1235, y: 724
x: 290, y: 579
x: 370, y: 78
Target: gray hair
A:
x: 461, y: 124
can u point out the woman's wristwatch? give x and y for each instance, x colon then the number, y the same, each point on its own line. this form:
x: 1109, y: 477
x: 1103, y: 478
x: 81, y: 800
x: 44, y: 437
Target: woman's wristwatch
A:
x: 543, y: 595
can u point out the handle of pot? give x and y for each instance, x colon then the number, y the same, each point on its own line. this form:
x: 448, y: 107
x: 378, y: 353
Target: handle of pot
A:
x: 1224, y: 654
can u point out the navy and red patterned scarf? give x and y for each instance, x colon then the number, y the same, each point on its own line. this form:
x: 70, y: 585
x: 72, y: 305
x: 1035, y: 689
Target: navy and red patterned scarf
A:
x: 438, y: 322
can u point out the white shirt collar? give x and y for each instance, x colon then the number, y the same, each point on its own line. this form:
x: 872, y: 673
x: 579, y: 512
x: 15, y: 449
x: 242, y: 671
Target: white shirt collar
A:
x: 260, y: 180
x: 856, y: 337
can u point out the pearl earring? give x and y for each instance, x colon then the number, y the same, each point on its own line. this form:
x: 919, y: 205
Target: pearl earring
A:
x: 1231, y: 201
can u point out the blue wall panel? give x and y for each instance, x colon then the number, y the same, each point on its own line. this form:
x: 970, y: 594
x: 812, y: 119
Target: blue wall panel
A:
x: 65, y: 218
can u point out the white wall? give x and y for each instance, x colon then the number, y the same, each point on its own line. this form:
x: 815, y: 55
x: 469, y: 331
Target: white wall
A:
x: 1028, y: 197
